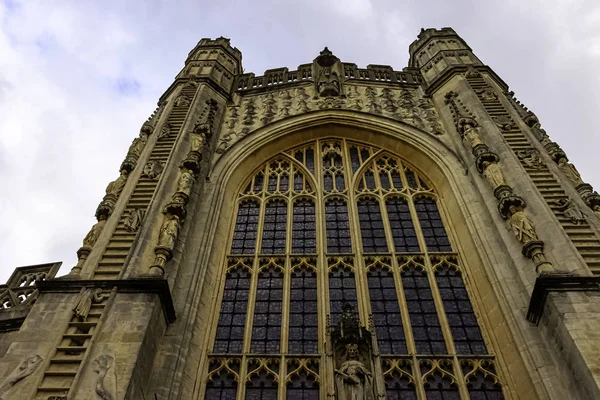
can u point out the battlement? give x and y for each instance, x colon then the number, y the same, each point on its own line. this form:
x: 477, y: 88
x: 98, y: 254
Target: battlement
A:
x: 282, y: 76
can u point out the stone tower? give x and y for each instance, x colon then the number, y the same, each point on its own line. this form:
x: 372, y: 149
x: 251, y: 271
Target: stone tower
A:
x: 330, y: 232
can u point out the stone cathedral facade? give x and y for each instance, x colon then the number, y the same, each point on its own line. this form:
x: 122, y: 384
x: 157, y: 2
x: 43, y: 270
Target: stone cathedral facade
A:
x: 329, y: 232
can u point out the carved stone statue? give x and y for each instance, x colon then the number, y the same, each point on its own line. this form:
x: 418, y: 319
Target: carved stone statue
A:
x: 538, y: 131
x: 571, y: 210
x: 353, y: 379
x: 570, y: 171
x: 26, y: 368
x: 138, y: 144
x: 504, y: 122
x: 105, y: 386
x: 596, y: 210
x: 87, y: 296
x: 471, y: 136
x: 152, y: 169
x: 134, y: 219
x: 182, y: 101
x: 328, y: 83
x: 164, y: 131
x: 186, y: 182
x: 530, y: 158
x: 521, y: 225
x: 168, y: 233
x: 90, y: 239
x: 116, y: 186
x: 493, y: 173
x: 197, y: 140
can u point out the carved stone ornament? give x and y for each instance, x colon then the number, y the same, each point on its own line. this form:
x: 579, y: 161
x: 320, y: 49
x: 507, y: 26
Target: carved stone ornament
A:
x: 487, y: 94
x: 353, y: 380
x: 570, y: 210
x: 167, y: 238
x: 570, y: 171
x: 521, y: 225
x: 327, y: 70
x: 134, y: 151
x: 471, y: 136
x: 116, y: 187
x: 431, y: 116
x: 182, y: 101
x: 504, y: 122
x: 86, y: 297
x: 165, y: 131
x: 22, y: 371
x: 493, y: 173
x: 134, y: 219
x: 106, y: 381
x: 596, y: 210
x: 153, y: 169
x: 90, y: 239
x: 530, y: 159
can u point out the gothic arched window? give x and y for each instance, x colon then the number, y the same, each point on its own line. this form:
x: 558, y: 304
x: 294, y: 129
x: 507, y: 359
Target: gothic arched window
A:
x: 334, y: 224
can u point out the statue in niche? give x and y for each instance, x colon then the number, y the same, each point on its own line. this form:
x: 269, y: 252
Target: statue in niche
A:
x: 521, y: 225
x: 353, y: 379
x: 570, y: 171
x: 90, y: 239
x: 106, y: 383
x: 197, y: 141
x: 152, y: 169
x: 26, y: 368
x: 138, y: 144
x: 186, y: 182
x: 165, y: 131
x: 134, y: 220
x: 493, y: 173
x: 87, y: 296
x: 168, y: 233
x: 116, y: 187
x: 182, y: 101
x: 571, y: 210
x: 530, y: 158
x: 471, y: 135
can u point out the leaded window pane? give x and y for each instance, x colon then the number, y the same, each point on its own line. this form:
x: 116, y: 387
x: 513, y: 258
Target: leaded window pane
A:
x: 274, y: 228
x: 386, y: 312
x: 304, y: 235
x: 262, y: 386
x: 266, y: 327
x: 246, y: 226
x: 371, y: 226
x: 431, y: 225
x: 342, y: 290
x: 438, y: 380
x: 338, y: 227
x: 399, y: 387
x: 459, y: 312
x: 302, y: 386
x: 304, y: 326
x: 424, y: 321
x: 232, y: 319
x: 401, y: 225
x: 221, y: 386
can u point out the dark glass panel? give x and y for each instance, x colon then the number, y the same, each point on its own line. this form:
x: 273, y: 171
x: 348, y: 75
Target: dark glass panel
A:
x: 411, y: 179
x: 385, y: 180
x: 232, y: 319
x: 397, y: 180
x: 284, y: 182
x: 371, y: 226
x: 339, y: 181
x: 399, y: 387
x: 459, y: 312
x: 338, y: 228
x: 303, y: 332
x: 274, y: 228
x: 272, y: 183
x: 370, y: 179
x: 481, y: 384
x: 439, y: 386
x: 302, y: 386
x: 342, y: 290
x: 310, y: 160
x: 304, y: 235
x: 299, y: 156
x: 244, y: 235
x: 328, y: 181
x: 298, y: 182
x: 354, y: 159
x: 262, y: 386
x: 259, y: 181
x: 431, y: 225
x: 266, y: 328
x: 364, y: 154
x: 221, y: 386
x: 421, y: 310
x: 401, y: 224
x: 386, y: 312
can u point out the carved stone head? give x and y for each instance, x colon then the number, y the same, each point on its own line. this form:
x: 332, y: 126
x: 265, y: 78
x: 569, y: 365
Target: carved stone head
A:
x: 327, y: 70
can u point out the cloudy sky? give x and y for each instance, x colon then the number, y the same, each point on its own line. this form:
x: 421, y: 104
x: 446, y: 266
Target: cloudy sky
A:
x: 78, y: 78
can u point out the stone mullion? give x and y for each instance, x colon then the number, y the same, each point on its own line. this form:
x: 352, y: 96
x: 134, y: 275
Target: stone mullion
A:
x: 285, y: 306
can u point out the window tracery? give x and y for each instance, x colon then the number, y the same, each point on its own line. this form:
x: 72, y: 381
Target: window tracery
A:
x: 332, y: 223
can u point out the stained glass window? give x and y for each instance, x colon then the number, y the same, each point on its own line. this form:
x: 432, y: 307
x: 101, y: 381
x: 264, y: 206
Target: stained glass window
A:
x: 338, y: 228
x: 221, y: 386
x: 244, y: 236
x: 401, y: 225
x: 304, y: 235
x: 431, y: 225
x: 274, y: 228
x: 302, y: 386
x: 342, y: 290
x: 262, y: 386
x: 303, y: 332
x: 371, y: 226
x: 266, y: 327
x: 399, y: 387
x: 232, y: 319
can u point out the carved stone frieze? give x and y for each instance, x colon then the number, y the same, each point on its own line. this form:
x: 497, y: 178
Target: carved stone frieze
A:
x: 87, y: 296
x: 133, y: 220
x: 570, y: 210
x: 106, y: 381
x: 530, y: 158
x: 22, y: 371
x: 504, y: 122
x: 165, y: 131
x: 153, y: 169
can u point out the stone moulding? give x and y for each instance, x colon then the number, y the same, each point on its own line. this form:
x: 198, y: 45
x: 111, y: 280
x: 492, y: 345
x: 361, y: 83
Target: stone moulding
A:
x: 156, y: 286
x: 547, y: 283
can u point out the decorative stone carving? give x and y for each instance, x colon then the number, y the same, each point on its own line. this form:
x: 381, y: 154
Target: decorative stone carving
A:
x: 487, y: 94
x: 90, y: 239
x: 504, y: 122
x: 22, y: 371
x: 165, y: 131
x: 521, y: 225
x: 286, y: 104
x: 106, y: 382
x: 354, y: 98
x: 471, y: 135
x: 249, y: 114
x: 570, y: 210
x: 330, y: 102
x: 460, y: 114
x: 538, y: 132
x: 596, y: 209
x: 115, y: 187
x: 200, y: 136
x: 373, y: 100
x: 353, y: 380
x: 86, y: 297
x: 135, y: 150
x: 134, y: 219
x: 153, y: 169
x: 167, y: 238
x: 570, y: 171
x: 389, y: 103
x: 233, y: 117
x: 530, y: 158
x: 182, y: 101
x: 327, y: 70
x: 186, y: 182
x: 493, y: 173
x: 269, y: 109
x: 431, y: 116
x: 302, y: 97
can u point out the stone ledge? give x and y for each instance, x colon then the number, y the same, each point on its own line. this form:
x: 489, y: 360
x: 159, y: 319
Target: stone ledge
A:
x: 158, y: 286
x: 548, y: 283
